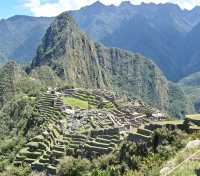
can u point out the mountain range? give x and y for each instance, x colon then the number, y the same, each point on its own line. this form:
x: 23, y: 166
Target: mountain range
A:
x: 160, y: 32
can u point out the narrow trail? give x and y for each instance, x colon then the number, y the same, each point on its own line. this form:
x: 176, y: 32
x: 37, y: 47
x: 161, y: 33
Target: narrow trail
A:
x: 184, y: 161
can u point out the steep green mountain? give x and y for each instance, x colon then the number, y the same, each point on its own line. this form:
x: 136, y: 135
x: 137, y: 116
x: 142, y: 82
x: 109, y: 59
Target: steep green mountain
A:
x: 81, y: 62
x: 191, y: 86
x: 14, y: 81
x: 20, y: 36
x: 8, y: 77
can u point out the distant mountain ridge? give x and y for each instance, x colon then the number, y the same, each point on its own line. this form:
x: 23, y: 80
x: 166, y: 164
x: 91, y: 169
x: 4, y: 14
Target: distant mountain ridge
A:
x: 161, y: 32
x: 20, y: 36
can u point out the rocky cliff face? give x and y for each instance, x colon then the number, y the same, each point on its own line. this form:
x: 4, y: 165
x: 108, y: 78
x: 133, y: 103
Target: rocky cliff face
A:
x: 81, y: 62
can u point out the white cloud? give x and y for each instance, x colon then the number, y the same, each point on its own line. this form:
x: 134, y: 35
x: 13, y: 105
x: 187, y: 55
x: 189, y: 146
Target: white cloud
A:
x: 55, y: 7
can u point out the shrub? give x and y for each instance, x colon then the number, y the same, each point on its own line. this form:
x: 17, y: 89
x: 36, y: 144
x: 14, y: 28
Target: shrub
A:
x: 104, y: 161
x: 38, y: 174
x: 70, y: 166
x: 17, y: 171
x: 98, y: 172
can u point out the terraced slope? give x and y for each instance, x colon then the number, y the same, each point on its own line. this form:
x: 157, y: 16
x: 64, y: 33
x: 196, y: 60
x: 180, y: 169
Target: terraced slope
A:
x: 42, y: 151
x: 67, y: 129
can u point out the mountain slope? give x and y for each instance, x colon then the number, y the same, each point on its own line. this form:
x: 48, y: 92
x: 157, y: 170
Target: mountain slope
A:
x: 20, y: 36
x: 156, y: 31
x: 191, y: 86
x: 137, y: 37
x: 192, y: 51
x: 81, y: 62
x: 9, y: 73
x: 15, y: 82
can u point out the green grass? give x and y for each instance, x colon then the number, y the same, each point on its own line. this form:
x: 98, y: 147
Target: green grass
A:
x: 170, y: 122
x: 195, y: 127
x: 76, y: 102
x: 188, y: 168
x: 194, y: 116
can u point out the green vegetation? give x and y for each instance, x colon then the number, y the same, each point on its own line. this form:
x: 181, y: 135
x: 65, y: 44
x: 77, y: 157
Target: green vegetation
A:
x: 74, y: 167
x: 191, y: 87
x: 193, y: 116
x: 178, y: 103
x: 46, y: 76
x: 131, y: 159
x: 188, y: 168
x: 185, y: 162
x: 17, y: 171
x: 14, y: 128
x: 170, y: 122
x: 75, y: 102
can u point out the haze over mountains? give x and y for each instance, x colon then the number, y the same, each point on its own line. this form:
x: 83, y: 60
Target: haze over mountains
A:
x: 161, y: 32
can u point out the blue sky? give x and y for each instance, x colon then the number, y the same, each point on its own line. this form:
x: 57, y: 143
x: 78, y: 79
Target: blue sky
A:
x: 54, y: 7
x: 12, y: 7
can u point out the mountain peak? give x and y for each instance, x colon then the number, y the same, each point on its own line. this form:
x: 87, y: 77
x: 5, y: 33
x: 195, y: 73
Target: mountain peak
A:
x: 66, y: 18
x: 95, y: 7
x: 126, y: 3
x: 98, y: 4
x: 63, y: 31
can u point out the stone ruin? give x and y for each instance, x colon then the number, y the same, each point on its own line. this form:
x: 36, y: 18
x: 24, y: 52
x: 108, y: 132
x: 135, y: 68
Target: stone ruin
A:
x: 81, y: 132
